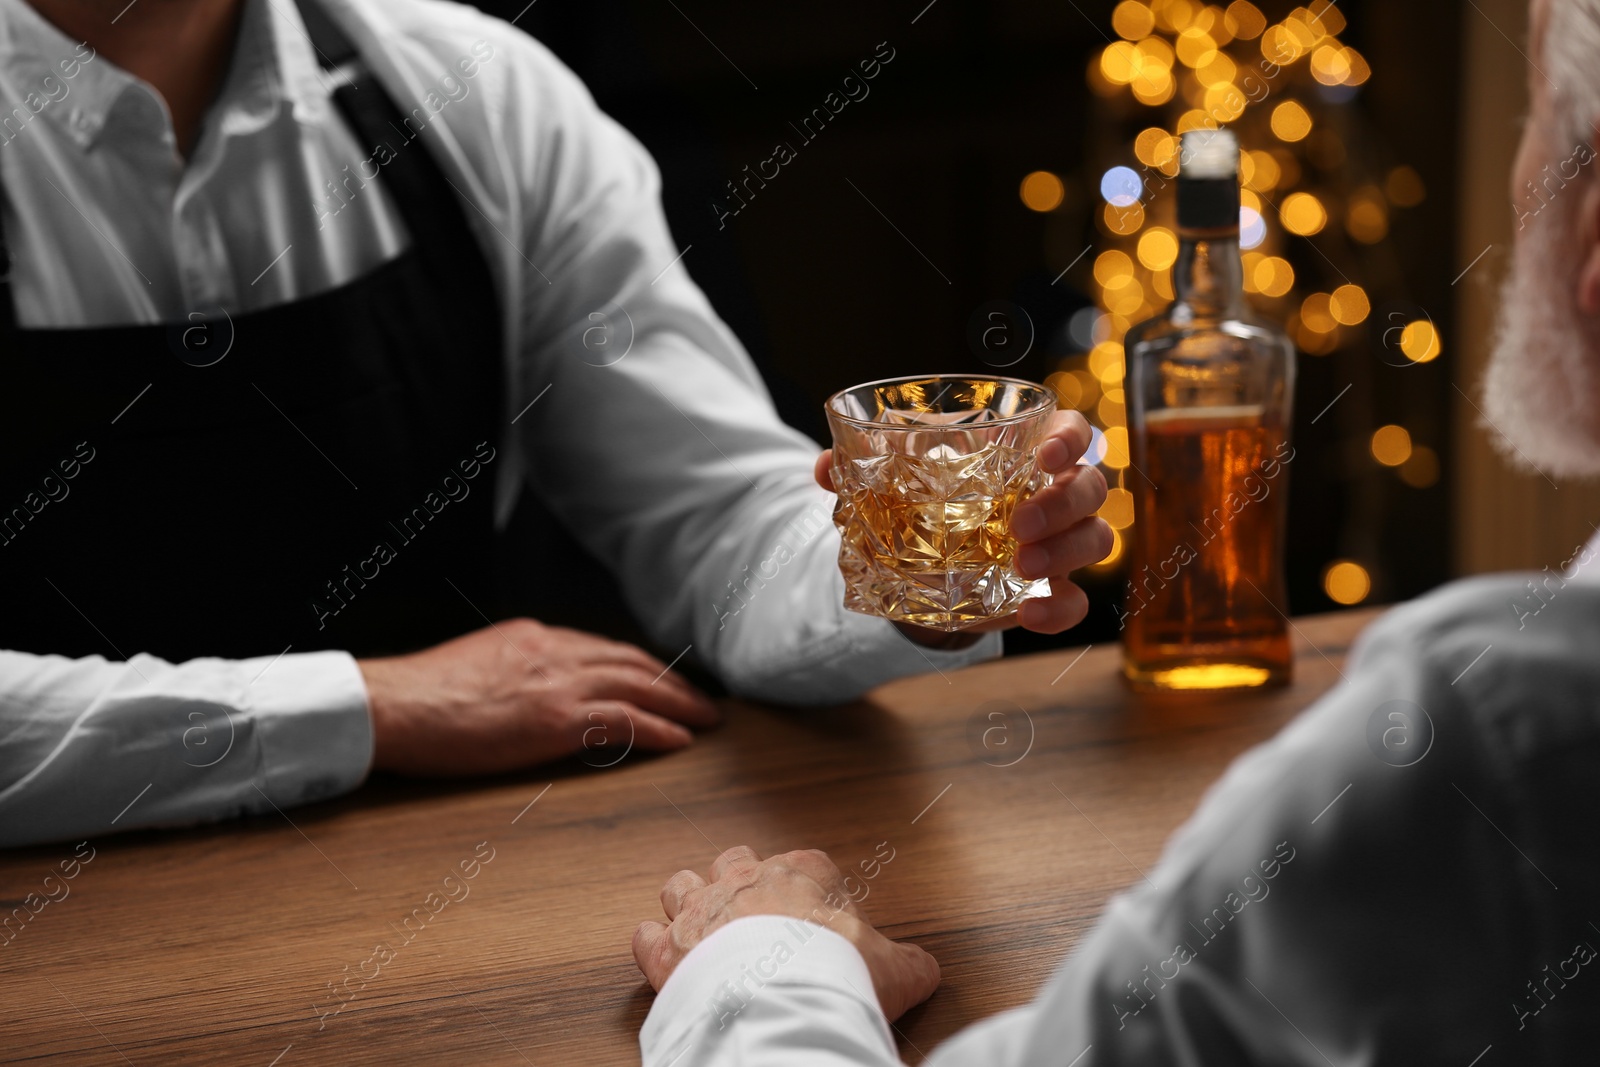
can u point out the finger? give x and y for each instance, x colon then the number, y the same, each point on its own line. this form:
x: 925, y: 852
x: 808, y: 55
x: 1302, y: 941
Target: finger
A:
x: 921, y: 973
x: 1067, y: 438
x: 1075, y: 496
x: 823, y: 471
x: 679, y: 703
x: 566, y: 647
x: 1064, y: 608
x: 649, y: 944
x: 599, y: 652
x: 679, y: 886
x: 815, y: 865
x: 615, y: 727
x: 739, y: 857
x: 1087, y: 543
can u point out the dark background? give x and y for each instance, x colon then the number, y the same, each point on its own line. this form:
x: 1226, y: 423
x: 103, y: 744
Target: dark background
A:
x: 825, y: 293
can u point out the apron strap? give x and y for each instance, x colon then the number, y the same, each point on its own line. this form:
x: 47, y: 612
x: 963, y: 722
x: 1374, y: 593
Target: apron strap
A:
x: 428, y: 201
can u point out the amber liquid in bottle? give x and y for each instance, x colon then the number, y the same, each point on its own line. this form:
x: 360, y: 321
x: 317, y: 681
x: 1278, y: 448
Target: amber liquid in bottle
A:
x: 1209, y: 410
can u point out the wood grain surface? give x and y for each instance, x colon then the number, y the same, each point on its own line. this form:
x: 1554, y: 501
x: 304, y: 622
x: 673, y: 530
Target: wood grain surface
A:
x: 1016, y: 797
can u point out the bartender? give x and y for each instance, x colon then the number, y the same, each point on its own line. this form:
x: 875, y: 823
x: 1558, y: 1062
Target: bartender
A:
x: 295, y: 301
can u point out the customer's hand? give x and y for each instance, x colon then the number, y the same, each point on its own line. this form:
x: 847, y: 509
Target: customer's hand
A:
x: 801, y: 885
x: 1057, y: 532
x: 520, y: 693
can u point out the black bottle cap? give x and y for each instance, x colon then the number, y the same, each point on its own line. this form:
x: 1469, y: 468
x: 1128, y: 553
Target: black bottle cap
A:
x: 1208, y: 180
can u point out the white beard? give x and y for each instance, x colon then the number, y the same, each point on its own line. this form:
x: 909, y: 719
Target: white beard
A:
x: 1541, y: 408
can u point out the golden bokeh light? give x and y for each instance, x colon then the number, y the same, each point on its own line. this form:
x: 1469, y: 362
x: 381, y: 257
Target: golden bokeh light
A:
x: 1244, y: 20
x: 1404, y: 187
x: 1156, y: 50
x: 1366, y: 217
x: 1123, y: 220
x: 1195, y: 47
x: 1118, y: 509
x: 1327, y: 16
x: 1116, y: 448
x: 1330, y: 65
x: 1105, y: 362
x: 1110, y: 409
x: 1349, y: 305
x: 1067, y: 387
x: 1264, y: 171
x: 1121, y: 62
x: 1249, y: 199
x: 1112, y: 266
x: 1346, y: 582
x: 1042, y: 191
x: 1153, y: 85
x: 1419, y: 341
x: 1174, y: 16
x: 1303, y: 214
x: 1422, y: 469
x: 1088, y: 390
x: 1132, y: 20
x: 1315, y: 314
x: 1312, y: 342
x: 1195, y: 120
x: 1359, y: 70
x: 1307, y: 32
x: 1391, y: 445
x: 1114, y: 555
x: 1161, y: 284
x: 1158, y: 248
x: 1157, y: 148
x: 1273, y: 276
x: 1279, y: 46
x: 1216, y: 71
x: 1211, y: 20
x: 1224, y: 103
x: 1290, y: 121
x: 1123, y: 297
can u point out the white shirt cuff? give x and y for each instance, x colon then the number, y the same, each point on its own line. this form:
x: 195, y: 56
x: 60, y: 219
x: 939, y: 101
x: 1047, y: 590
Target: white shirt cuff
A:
x: 311, y: 715
x: 728, y: 970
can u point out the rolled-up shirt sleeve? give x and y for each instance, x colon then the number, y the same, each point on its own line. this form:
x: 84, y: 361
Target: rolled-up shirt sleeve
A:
x: 89, y: 746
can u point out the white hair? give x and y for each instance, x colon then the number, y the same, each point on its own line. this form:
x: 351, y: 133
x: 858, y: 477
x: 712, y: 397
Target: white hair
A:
x: 1571, y: 62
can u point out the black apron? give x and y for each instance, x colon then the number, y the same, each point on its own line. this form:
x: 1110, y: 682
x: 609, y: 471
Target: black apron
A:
x: 328, y: 483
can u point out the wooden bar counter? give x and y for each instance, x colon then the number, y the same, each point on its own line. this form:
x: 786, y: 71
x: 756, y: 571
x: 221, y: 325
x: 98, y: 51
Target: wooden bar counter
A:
x: 489, y: 922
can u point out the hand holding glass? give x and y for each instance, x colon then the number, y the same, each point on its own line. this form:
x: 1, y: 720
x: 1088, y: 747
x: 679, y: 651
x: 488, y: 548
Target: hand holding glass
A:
x: 929, y: 471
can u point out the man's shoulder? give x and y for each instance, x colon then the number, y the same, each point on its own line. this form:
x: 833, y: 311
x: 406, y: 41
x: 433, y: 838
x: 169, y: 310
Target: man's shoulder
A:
x: 429, y: 22
x: 1521, y: 651
x: 450, y: 48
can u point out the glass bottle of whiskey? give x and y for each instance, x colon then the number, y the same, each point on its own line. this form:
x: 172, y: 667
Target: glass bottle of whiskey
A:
x: 1209, y: 390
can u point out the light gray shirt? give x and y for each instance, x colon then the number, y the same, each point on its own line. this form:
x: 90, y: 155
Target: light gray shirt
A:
x: 1408, y: 874
x: 633, y: 411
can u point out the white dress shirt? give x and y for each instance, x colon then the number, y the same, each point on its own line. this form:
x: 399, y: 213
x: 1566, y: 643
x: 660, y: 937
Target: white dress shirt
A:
x: 1407, y: 874
x: 663, y: 448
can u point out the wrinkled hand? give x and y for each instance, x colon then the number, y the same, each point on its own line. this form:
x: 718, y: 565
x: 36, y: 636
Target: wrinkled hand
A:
x: 520, y: 693
x: 801, y: 885
x: 1057, y: 531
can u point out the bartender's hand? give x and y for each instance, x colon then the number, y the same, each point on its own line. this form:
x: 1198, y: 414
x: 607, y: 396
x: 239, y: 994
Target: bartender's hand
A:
x: 801, y: 885
x: 1057, y: 532
x: 520, y: 693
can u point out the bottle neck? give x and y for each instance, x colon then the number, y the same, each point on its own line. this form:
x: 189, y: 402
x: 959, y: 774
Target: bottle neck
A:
x: 1208, y: 277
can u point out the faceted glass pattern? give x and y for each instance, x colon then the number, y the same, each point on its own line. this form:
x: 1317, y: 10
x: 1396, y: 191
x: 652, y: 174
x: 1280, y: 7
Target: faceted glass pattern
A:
x: 928, y: 472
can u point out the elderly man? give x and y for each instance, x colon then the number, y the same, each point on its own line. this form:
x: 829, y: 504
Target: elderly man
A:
x: 1445, y: 911
x: 295, y: 300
